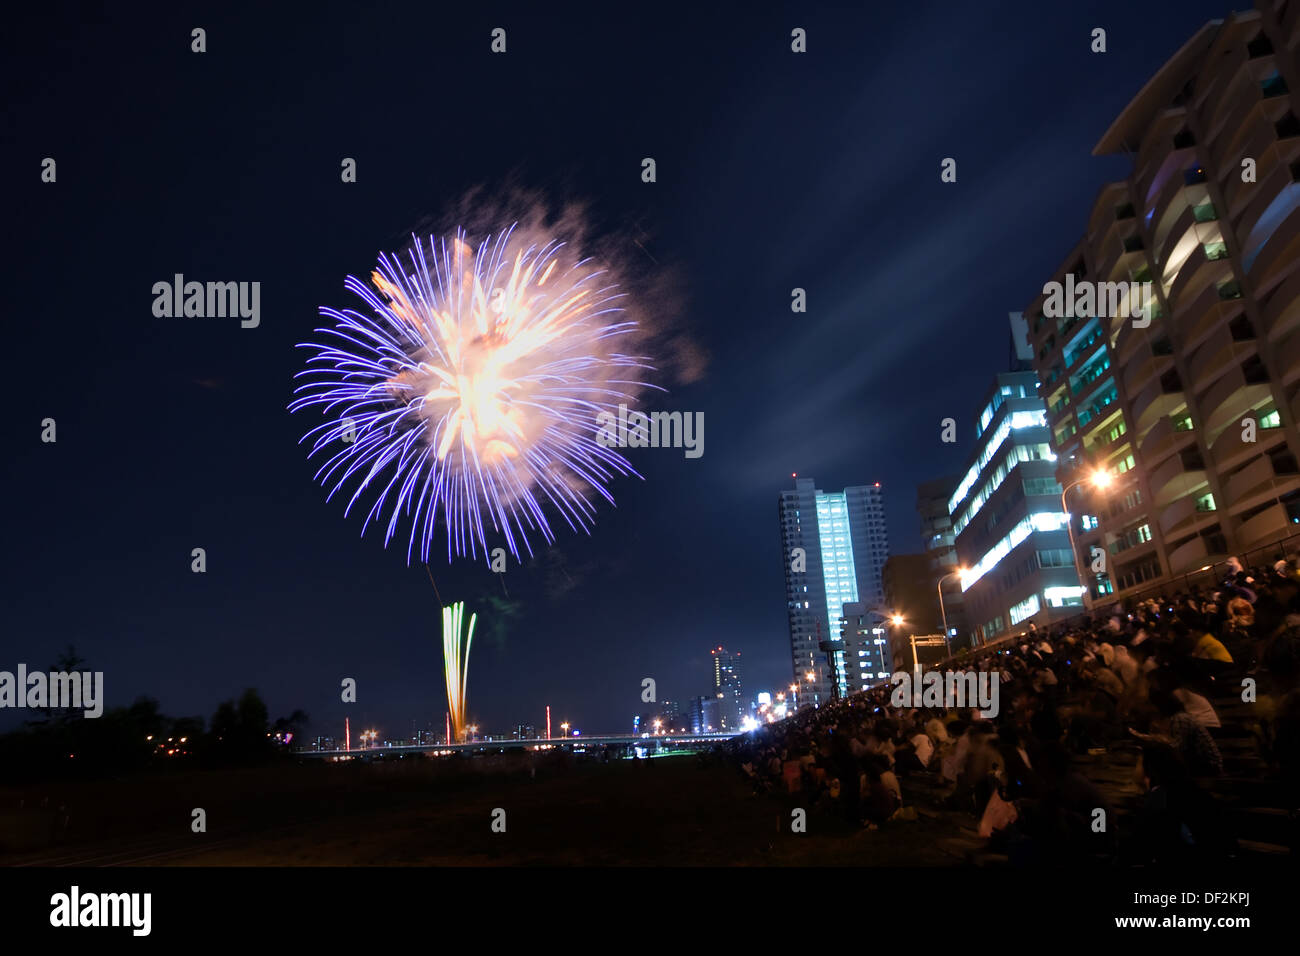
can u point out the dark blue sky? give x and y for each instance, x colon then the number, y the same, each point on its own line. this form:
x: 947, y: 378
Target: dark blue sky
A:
x: 775, y: 170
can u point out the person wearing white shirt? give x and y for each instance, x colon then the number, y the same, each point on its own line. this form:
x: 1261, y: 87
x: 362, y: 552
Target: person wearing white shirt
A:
x: 1198, y: 708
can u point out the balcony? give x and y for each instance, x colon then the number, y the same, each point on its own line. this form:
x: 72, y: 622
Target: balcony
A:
x: 1272, y: 155
x: 1229, y: 398
x: 1169, y: 188
x: 1128, y: 340
x: 1290, y: 25
x: 1197, y: 319
x: 1189, y: 557
x: 1255, y: 140
x: 1153, y: 166
x: 1111, y: 253
x: 1215, y: 356
x: 1143, y: 369
x: 1273, y: 159
x: 1086, y: 349
x: 1251, y: 485
x: 1288, y: 358
x: 1277, y: 258
x: 1264, y: 528
x: 1103, y: 219
x: 1234, y: 103
x: 1179, y: 476
x: 1100, y: 444
x: 1154, y: 403
x: 1157, y: 144
x: 1228, y: 449
x: 1195, y: 275
x: 1188, y: 210
x: 1185, y: 515
x: 1161, y: 441
x: 1282, y: 313
x: 1086, y: 377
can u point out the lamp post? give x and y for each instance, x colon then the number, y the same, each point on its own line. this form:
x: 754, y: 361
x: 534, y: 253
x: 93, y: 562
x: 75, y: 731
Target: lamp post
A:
x: 1100, y: 479
x: 943, y: 613
x: 897, y: 621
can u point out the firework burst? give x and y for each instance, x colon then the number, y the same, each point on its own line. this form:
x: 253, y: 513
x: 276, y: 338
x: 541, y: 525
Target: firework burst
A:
x: 469, y: 396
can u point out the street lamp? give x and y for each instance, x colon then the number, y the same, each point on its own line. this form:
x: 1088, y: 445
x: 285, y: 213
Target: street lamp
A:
x: 898, y: 621
x: 961, y: 573
x: 1100, y: 479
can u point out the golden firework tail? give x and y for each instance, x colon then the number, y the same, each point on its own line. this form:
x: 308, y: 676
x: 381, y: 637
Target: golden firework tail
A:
x: 456, y: 663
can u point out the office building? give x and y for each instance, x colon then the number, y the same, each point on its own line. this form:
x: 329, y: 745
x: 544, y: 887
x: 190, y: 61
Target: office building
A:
x: 1011, y: 534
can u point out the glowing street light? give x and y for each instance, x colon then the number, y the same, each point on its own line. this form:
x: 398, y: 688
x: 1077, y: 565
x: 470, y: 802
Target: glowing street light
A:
x: 1100, y: 479
x: 943, y: 613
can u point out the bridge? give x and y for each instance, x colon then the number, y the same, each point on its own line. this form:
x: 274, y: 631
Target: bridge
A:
x: 626, y: 741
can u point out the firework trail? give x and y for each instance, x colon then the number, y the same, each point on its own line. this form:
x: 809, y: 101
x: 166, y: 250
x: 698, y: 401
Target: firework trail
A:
x: 455, y: 663
x: 469, y: 396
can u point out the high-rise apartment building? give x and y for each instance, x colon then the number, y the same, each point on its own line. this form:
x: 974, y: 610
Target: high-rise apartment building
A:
x: 1191, y: 402
x: 732, y: 707
x: 834, y: 547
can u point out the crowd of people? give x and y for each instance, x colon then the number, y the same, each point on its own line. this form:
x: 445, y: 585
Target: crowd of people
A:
x: 1129, y: 685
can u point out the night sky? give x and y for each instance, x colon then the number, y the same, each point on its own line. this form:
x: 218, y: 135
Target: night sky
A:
x: 775, y: 171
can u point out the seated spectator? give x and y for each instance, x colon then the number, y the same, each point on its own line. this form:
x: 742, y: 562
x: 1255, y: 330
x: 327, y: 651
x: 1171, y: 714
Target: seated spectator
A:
x: 1198, y: 708
x: 1191, y: 741
x: 1210, y: 648
x: 923, y: 748
x: 1176, y: 822
x: 884, y: 795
